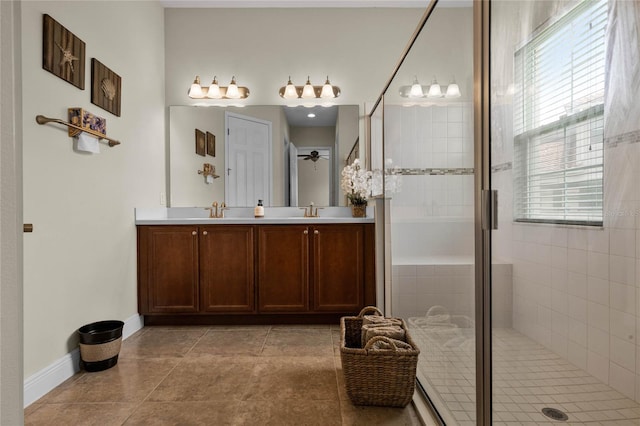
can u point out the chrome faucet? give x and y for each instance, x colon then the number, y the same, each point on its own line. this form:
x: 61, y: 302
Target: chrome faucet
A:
x: 213, y: 210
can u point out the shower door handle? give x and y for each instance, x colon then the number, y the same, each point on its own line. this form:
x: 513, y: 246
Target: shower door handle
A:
x: 489, y: 209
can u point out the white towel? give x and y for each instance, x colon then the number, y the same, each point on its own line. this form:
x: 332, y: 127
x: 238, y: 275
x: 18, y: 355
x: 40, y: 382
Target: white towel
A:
x: 209, y: 179
x: 87, y: 143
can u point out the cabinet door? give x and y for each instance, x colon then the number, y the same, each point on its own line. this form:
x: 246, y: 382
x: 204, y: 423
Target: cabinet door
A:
x: 283, y: 259
x: 338, y: 267
x: 227, y: 268
x: 168, y: 274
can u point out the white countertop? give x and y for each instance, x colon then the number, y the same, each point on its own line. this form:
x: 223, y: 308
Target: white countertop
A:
x: 244, y: 216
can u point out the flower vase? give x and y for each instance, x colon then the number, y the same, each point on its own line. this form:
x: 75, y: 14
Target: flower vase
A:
x: 359, y: 210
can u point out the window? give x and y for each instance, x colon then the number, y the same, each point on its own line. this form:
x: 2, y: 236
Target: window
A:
x: 558, y: 120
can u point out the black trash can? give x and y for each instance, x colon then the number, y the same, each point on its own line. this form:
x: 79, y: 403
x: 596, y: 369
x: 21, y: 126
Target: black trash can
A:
x: 100, y: 345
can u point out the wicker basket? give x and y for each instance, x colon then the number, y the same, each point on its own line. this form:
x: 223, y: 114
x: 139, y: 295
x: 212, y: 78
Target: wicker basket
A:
x: 376, y: 377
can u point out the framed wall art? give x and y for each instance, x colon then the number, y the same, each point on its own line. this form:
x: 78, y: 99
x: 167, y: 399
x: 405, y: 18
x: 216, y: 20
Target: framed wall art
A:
x: 200, y: 143
x: 211, y: 144
x: 105, y: 87
x: 62, y: 52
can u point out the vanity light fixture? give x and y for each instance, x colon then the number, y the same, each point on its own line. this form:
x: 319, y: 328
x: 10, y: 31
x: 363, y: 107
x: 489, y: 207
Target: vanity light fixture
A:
x: 309, y: 91
x: 432, y: 91
x: 416, y: 89
x: 215, y: 91
x: 435, y: 91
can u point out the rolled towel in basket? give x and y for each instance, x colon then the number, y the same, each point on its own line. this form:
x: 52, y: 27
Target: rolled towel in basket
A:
x: 387, y: 345
x: 370, y: 331
x: 378, y: 319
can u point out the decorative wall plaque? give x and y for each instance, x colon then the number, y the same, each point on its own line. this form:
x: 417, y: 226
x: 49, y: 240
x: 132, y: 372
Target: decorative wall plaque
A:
x: 62, y: 52
x: 105, y: 87
x: 200, y: 143
x: 211, y: 144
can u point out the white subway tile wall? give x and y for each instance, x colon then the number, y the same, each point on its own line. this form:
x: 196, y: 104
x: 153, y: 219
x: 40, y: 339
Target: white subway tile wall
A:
x: 595, y: 277
x: 431, y: 137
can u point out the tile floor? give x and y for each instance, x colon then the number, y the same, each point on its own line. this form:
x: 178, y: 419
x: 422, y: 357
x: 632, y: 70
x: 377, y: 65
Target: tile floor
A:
x: 527, y: 378
x: 241, y: 375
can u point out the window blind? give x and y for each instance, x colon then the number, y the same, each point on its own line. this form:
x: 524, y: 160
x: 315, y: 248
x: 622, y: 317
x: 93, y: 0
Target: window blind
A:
x: 558, y: 120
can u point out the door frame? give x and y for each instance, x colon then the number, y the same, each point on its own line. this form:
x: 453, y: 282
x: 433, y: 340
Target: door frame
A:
x: 269, y: 124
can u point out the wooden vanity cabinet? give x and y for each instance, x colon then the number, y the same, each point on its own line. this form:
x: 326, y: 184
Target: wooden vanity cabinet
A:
x: 205, y: 274
x: 314, y: 268
x: 227, y: 268
x: 283, y: 268
x: 338, y: 271
x: 168, y: 269
x: 191, y: 269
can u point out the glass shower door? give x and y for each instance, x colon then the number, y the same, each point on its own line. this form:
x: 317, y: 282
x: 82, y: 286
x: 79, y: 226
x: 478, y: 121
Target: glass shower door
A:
x: 428, y: 163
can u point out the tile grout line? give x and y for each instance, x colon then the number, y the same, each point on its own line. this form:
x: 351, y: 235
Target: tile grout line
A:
x: 180, y: 359
x: 264, y: 342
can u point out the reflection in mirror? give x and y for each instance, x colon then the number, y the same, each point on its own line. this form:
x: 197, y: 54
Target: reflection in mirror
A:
x: 314, y: 176
x: 332, y: 132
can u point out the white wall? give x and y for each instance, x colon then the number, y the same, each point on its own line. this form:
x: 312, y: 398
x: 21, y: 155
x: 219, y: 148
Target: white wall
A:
x: 80, y: 262
x: 357, y: 48
x: 11, y: 352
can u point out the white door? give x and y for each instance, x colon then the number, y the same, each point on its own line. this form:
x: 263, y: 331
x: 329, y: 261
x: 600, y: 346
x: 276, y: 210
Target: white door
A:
x: 248, y: 160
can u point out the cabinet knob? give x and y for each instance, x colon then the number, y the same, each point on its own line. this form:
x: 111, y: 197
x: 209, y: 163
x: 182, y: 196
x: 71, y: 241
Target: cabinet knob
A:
x: 305, y: 232
x: 204, y: 232
x: 316, y: 232
x: 194, y: 233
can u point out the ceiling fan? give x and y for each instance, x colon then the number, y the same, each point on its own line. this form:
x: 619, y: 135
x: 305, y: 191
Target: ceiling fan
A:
x: 314, y: 156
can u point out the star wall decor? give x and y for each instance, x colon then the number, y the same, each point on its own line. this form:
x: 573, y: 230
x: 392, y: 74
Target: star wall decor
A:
x: 62, y: 52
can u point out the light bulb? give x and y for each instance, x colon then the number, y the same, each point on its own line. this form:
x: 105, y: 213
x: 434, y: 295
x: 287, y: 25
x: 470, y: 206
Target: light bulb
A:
x: 453, y: 91
x: 232, y: 90
x: 195, y: 91
x: 307, y: 90
x: 214, y: 90
x: 434, y: 90
x: 327, y: 90
x: 290, y: 91
x: 416, y: 89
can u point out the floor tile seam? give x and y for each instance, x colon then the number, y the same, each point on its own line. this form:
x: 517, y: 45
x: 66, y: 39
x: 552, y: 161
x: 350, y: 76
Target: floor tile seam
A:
x: 196, y: 342
x: 284, y: 355
x: 86, y: 403
x: 264, y: 341
x: 146, y: 398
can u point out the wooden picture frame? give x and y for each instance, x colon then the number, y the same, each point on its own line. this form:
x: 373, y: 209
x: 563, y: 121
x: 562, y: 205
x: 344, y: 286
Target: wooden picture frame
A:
x: 106, y: 87
x: 62, y: 52
x: 211, y: 144
x: 200, y: 143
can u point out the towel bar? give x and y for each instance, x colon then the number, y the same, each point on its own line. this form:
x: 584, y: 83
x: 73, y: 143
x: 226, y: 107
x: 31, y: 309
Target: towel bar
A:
x: 41, y: 119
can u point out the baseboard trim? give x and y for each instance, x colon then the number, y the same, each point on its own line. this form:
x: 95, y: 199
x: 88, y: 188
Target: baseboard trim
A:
x: 45, y: 380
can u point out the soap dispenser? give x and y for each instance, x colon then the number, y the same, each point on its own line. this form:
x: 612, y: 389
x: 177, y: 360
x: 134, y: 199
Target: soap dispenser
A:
x: 258, y: 211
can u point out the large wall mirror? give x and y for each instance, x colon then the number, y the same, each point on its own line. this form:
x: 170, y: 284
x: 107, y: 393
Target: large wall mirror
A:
x: 286, y: 156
